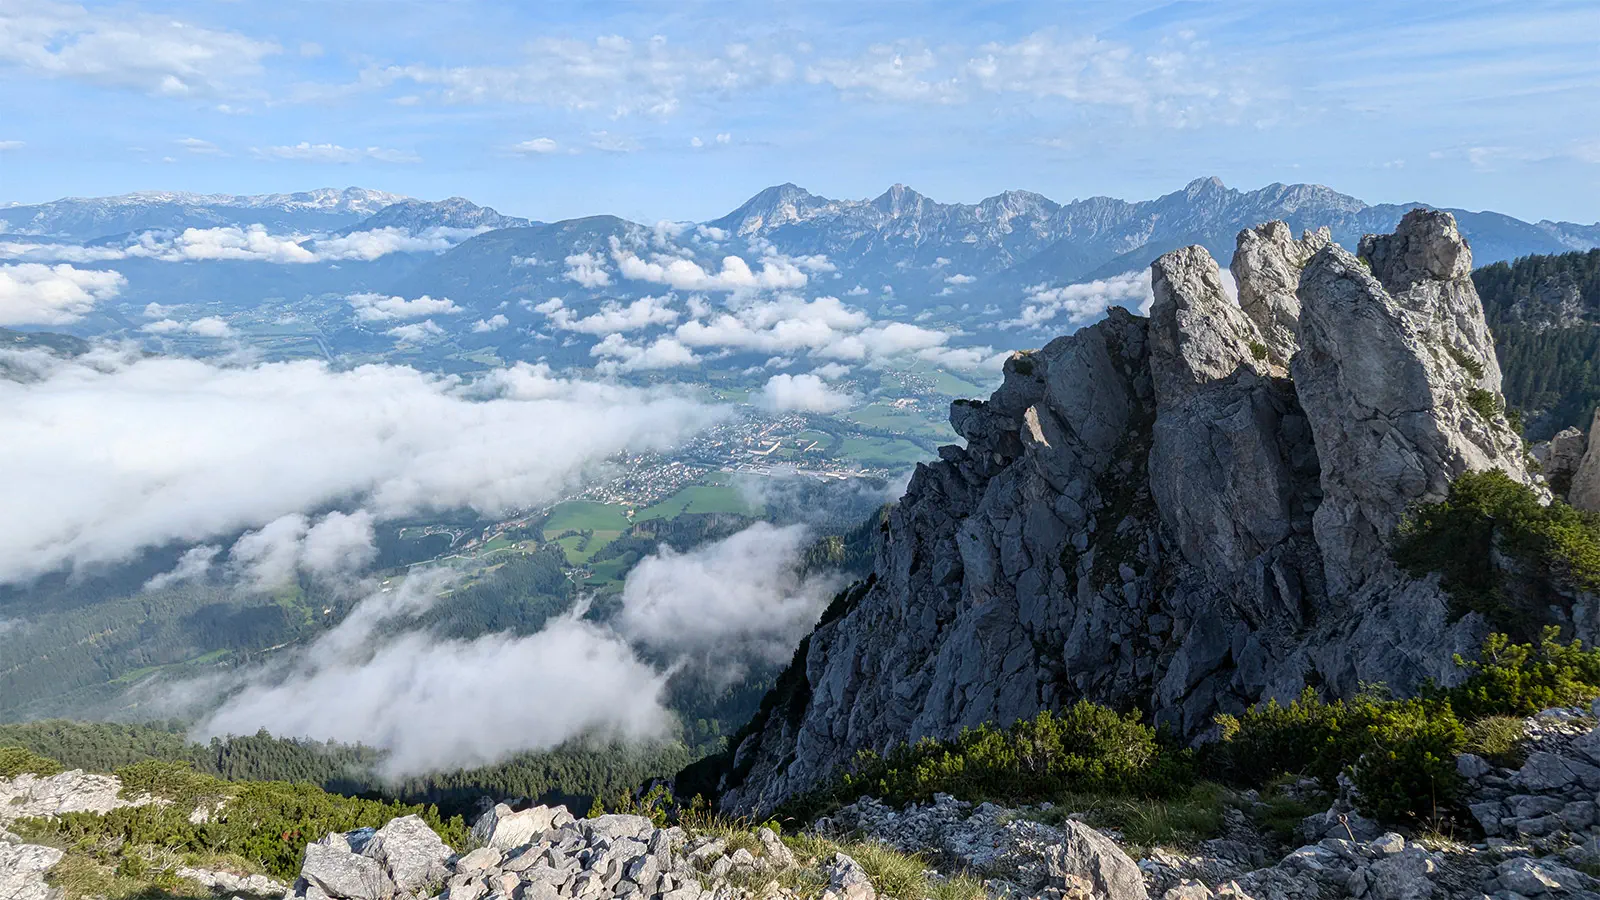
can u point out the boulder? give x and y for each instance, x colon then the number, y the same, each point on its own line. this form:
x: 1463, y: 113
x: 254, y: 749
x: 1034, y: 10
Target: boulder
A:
x: 505, y: 829
x: 345, y: 876
x: 1091, y: 855
x: 847, y: 880
x: 411, y: 854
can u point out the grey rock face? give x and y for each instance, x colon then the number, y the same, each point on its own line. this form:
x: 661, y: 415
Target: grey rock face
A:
x: 1266, y: 267
x: 1387, y: 364
x: 1585, y: 491
x: 1158, y: 513
x: 22, y: 871
x: 30, y: 795
x: 1560, y: 457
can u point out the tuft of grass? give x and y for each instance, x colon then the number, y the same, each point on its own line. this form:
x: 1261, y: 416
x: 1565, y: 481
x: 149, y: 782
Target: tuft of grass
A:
x: 1182, y: 820
x: 1497, y: 739
x: 893, y: 874
x: 1280, y: 814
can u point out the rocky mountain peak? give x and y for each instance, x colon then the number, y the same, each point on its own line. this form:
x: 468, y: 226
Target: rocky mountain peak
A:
x: 1186, y: 514
x: 900, y: 200
x: 1204, y: 186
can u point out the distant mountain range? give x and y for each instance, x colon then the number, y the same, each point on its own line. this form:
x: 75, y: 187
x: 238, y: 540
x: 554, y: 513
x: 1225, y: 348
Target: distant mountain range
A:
x: 89, y: 218
x: 900, y: 255
x: 1036, y: 238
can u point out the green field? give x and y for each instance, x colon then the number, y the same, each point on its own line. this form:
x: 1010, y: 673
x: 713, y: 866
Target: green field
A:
x: 883, y: 452
x: 882, y: 415
x: 606, y: 521
x: 700, y: 498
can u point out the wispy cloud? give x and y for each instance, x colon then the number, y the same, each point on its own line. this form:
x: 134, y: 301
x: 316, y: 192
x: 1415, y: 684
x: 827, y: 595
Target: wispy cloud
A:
x: 334, y: 153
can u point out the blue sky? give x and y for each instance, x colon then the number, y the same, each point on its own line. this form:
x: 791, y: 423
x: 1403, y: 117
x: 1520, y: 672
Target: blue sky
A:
x: 681, y: 110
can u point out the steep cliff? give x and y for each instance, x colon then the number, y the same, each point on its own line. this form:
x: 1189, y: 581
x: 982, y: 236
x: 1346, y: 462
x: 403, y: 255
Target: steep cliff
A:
x: 1185, y: 514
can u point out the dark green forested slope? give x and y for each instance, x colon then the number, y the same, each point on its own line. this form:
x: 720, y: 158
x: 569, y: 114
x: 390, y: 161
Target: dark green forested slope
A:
x: 1543, y: 311
x: 570, y: 774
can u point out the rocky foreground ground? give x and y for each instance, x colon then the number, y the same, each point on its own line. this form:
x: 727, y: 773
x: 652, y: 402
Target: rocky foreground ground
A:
x: 1537, y: 836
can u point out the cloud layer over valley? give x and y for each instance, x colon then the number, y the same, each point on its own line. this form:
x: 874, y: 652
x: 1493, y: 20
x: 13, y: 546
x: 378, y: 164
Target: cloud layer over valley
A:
x: 435, y: 703
x: 125, y: 453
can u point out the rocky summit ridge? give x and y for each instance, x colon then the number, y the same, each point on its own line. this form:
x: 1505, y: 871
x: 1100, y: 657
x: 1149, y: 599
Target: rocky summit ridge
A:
x: 1185, y: 514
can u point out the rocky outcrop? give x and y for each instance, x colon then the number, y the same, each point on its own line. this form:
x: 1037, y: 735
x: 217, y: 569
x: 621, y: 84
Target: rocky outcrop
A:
x: 1266, y: 268
x: 1585, y: 490
x: 29, y: 795
x: 1186, y: 514
x: 554, y: 856
x: 22, y: 871
x: 1560, y: 458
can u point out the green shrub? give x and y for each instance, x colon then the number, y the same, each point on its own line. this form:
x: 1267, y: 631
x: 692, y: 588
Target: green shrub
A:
x: 1485, y: 511
x: 16, y: 761
x: 1082, y: 748
x: 267, y: 822
x: 1258, y: 350
x: 1471, y: 366
x: 1520, y: 679
x: 1407, y: 771
x: 1485, y: 403
x: 171, y: 780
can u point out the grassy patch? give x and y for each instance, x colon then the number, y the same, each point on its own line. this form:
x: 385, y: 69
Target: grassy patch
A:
x: 701, y: 498
x: 1183, y: 820
x: 1497, y: 739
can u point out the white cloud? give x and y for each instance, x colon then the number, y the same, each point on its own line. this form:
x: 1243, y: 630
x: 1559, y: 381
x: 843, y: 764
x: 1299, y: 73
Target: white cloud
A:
x: 370, y: 245
x: 153, y: 310
x: 209, y: 326
x: 958, y: 278
x: 154, y: 54
x: 622, y: 356
x: 610, y: 74
x: 35, y: 294
x: 889, y: 72
x: 125, y: 453
x: 801, y: 393
x: 831, y: 371
x: 195, y: 563
x: 378, y: 308
x: 11, y: 145
x: 416, y: 332
x: 613, y: 317
x: 776, y: 273
x: 424, y: 700
x: 538, y: 146
x: 252, y: 243
x: 1086, y: 302
x: 734, y: 600
x: 306, y: 151
x: 493, y: 323
x: 587, y: 269
x: 335, y: 549
x: 200, y: 147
